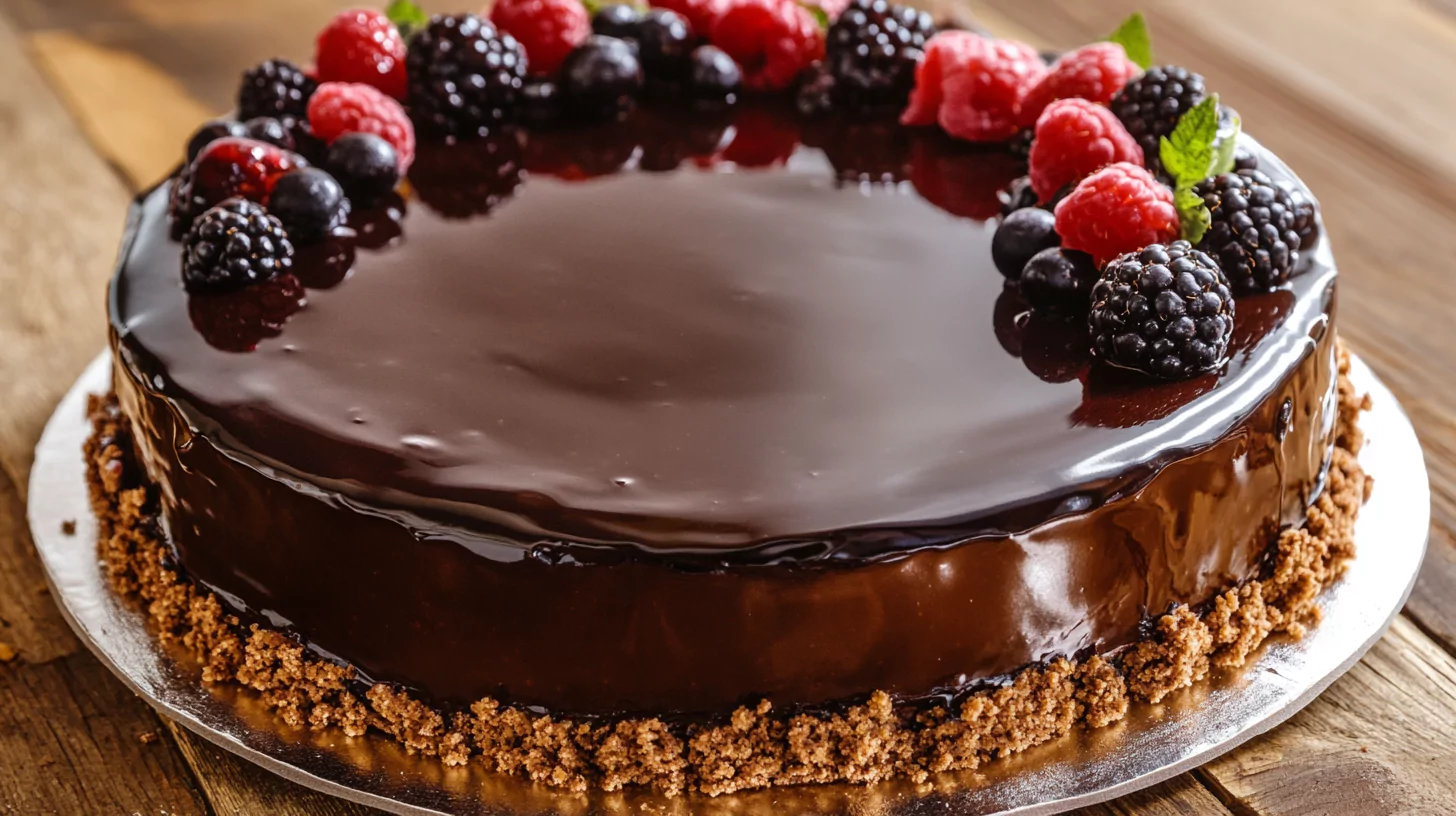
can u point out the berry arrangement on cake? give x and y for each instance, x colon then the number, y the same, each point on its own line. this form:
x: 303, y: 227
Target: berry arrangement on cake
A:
x: 723, y: 394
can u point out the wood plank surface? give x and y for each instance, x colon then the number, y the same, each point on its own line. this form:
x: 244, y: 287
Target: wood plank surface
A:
x: 125, y: 81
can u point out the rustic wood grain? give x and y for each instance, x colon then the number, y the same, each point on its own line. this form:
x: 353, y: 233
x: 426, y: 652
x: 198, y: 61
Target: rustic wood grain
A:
x: 138, y: 75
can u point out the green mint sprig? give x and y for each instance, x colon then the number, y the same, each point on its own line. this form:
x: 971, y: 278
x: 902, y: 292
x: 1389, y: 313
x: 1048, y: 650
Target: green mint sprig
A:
x: 1134, y: 38
x: 821, y: 16
x: 407, y: 17
x: 1194, y: 151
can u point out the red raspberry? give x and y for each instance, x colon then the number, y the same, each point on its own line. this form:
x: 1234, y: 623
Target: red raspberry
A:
x: 337, y: 108
x: 700, y: 14
x: 771, y: 40
x: 1074, y: 138
x: 975, y: 85
x: 238, y: 321
x: 236, y: 166
x: 944, y: 53
x: 1093, y: 72
x: 1120, y: 208
x: 362, y: 45
x: 547, y: 29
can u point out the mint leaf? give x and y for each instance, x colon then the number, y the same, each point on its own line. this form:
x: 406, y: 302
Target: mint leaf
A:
x: 407, y: 17
x: 1134, y: 38
x: 1223, y: 152
x: 1193, y: 215
x: 1187, y: 152
x: 821, y: 17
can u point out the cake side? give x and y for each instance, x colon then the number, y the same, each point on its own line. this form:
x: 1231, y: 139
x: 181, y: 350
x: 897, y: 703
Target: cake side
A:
x: 757, y: 746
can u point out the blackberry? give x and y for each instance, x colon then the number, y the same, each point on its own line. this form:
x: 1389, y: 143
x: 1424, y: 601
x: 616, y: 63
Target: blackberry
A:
x: 1163, y: 310
x: 183, y: 202
x: 1245, y: 159
x: 1151, y: 105
x: 815, y: 96
x: 464, y: 75
x: 309, y: 203
x: 872, y: 51
x: 275, y: 88
x: 470, y: 177
x: 1306, y: 216
x: 1253, y: 229
x: 233, y: 245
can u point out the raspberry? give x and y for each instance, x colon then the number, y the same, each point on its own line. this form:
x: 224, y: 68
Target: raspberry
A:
x: 235, y: 244
x: 465, y: 77
x: 1164, y: 310
x: 547, y: 29
x: 873, y: 50
x: 702, y: 15
x: 275, y: 88
x: 1151, y: 105
x: 976, y: 86
x: 348, y: 107
x: 1075, y: 138
x: 772, y: 40
x: 1093, y: 72
x: 238, y: 321
x: 1120, y: 208
x: 226, y: 168
x: 1252, y: 233
x: 362, y: 45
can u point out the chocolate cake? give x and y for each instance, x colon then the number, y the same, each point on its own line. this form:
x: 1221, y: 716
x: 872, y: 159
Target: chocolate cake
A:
x: 710, y: 450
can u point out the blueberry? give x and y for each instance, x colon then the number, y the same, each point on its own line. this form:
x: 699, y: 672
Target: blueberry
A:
x: 664, y: 43
x: 617, y: 20
x: 270, y: 130
x: 601, y: 77
x: 366, y: 165
x: 1021, y: 235
x: 714, y: 76
x: 211, y: 132
x: 1059, y: 281
x: 309, y: 202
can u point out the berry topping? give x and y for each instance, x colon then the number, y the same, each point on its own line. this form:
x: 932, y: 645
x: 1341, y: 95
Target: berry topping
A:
x: 1164, y: 311
x: 702, y: 15
x: 664, y: 41
x: 269, y: 130
x: 975, y: 87
x: 239, y: 321
x: 226, y: 168
x: 601, y: 77
x: 713, y: 76
x: 816, y: 92
x: 772, y: 41
x: 232, y: 245
x: 211, y: 132
x: 618, y: 20
x: 1252, y: 229
x: 1118, y: 209
x: 345, y: 107
x: 1075, y: 138
x: 1059, y: 281
x: 1093, y: 72
x: 362, y: 45
x: 1151, y: 105
x: 872, y: 51
x: 464, y: 76
x: 309, y: 203
x: 1023, y: 234
x: 1306, y: 216
x: 275, y: 87
x: 366, y: 165
x: 547, y: 29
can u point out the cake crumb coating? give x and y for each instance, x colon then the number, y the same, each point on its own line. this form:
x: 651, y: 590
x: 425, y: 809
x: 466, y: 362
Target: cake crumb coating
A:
x: 755, y: 747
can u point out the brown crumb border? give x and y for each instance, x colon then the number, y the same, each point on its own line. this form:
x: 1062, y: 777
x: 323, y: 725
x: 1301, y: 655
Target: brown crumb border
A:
x: 757, y: 747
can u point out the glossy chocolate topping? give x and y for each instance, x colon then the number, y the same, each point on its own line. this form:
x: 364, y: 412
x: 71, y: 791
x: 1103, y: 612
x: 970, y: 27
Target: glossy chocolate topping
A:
x: 667, y: 441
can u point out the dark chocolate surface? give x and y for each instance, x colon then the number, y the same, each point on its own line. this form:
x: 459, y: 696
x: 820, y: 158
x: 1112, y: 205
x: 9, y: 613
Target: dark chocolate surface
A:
x: 672, y: 441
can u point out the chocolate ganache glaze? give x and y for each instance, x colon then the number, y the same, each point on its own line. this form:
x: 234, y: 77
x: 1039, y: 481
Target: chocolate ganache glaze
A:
x: 672, y: 441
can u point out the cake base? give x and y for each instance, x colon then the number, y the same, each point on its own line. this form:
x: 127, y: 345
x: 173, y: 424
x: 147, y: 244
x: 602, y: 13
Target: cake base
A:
x: 1151, y: 743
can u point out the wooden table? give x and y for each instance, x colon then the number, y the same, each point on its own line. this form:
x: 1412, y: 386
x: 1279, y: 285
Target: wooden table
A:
x: 97, y: 97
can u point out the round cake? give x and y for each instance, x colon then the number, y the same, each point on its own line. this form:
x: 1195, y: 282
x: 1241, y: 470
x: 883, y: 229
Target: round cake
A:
x: 711, y: 450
